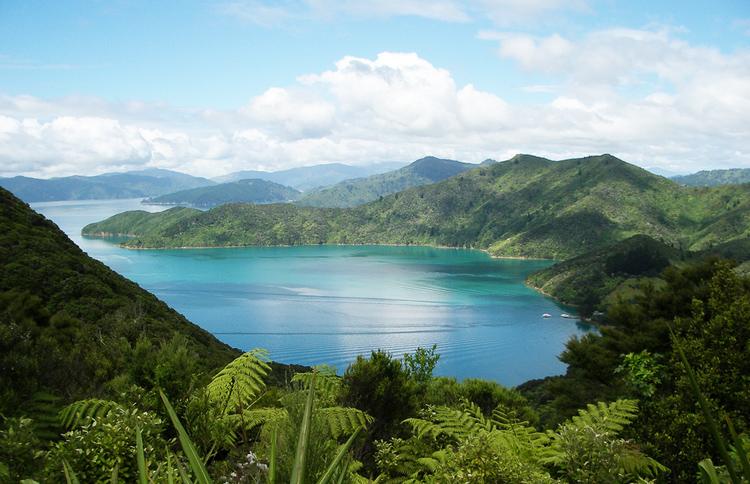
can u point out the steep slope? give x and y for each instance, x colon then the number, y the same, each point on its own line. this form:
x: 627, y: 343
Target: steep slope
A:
x: 135, y: 184
x: 243, y: 191
x: 69, y: 324
x: 585, y: 280
x: 359, y: 191
x: 711, y: 178
x: 524, y: 207
x: 309, y: 177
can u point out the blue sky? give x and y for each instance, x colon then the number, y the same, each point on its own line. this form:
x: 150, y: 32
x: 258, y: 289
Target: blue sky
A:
x: 209, y: 87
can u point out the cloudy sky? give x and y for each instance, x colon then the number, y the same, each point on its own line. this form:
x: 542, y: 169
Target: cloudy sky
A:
x: 209, y: 87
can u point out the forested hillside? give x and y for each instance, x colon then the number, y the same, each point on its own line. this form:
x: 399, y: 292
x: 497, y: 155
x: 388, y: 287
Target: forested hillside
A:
x: 71, y: 326
x: 523, y: 207
x: 351, y: 193
x: 242, y: 191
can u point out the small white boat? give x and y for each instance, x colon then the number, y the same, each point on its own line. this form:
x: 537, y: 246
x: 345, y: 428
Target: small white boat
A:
x: 546, y: 315
x: 567, y: 316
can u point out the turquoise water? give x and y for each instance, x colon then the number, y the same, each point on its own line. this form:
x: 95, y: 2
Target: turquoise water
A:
x: 328, y: 304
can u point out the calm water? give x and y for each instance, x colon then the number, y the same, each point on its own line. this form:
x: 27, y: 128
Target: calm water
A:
x: 313, y: 305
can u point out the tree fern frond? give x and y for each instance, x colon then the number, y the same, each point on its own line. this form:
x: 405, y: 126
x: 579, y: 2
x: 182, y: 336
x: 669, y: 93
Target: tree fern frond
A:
x: 343, y: 420
x: 638, y: 464
x: 451, y: 422
x: 612, y: 417
x: 256, y: 417
x: 44, y: 409
x: 77, y: 412
x: 240, y: 381
x: 425, y: 428
x: 327, y: 382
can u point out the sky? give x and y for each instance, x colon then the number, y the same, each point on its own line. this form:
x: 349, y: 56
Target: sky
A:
x: 210, y: 87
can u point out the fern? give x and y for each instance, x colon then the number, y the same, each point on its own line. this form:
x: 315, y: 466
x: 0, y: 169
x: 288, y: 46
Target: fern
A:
x: 343, y: 420
x: 44, y: 409
x: 238, y: 383
x: 454, y: 423
x: 611, y: 417
x: 587, y: 446
x: 83, y: 410
x: 257, y: 417
x: 327, y: 382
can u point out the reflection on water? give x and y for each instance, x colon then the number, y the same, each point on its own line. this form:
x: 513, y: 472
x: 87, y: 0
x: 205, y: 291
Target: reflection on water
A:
x: 328, y: 304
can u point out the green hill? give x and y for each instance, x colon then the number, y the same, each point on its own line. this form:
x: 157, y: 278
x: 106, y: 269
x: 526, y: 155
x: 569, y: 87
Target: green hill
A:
x: 523, y: 207
x: 586, y: 280
x: 68, y: 324
x: 711, y: 178
x: 351, y: 193
x: 134, y: 184
x: 305, y: 178
x: 243, y: 191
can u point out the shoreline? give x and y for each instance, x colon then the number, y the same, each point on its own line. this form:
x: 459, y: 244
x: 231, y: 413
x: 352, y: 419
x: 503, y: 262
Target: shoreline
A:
x: 431, y: 246
x: 106, y: 235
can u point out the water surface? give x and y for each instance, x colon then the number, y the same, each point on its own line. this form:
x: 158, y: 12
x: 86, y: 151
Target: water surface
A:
x: 328, y: 304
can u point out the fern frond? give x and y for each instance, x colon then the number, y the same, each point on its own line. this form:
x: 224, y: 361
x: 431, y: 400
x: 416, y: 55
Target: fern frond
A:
x: 44, y: 409
x: 257, y: 417
x: 327, y: 382
x: 451, y: 422
x: 425, y: 428
x: 636, y: 463
x: 612, y: 417
x: 240, y: 381
x: 343, y: 420
x: 518, y: 435
x: 82, y: 410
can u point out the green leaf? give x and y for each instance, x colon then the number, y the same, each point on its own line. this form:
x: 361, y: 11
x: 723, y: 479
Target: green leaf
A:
x: 298, y: 470
x: 140, y: 457
x: 196, y: 463
x: 70, y: 476
x: 708, y: 472
x: 272, y: 463
x: 342, y: 452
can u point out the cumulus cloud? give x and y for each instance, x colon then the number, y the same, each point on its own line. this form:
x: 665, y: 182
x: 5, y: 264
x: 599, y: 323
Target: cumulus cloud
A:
x: 691, y: 111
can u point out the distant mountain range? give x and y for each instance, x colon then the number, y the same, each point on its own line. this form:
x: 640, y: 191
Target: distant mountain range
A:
x: 351, y: 193
x: 710, y: 178
x: 133, y: 184
x: 242, y: 191
x: 523, y: 207
x: 309, y: 177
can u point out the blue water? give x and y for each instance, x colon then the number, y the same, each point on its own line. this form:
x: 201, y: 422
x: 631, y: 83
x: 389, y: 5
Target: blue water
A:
x: 328, y: 304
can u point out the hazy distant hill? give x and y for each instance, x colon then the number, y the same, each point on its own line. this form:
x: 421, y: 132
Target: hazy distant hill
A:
x: 351, y: 193
x: 526, y: 206
x: 308, y: 177
x: 710, y: 178
x: 243, y: 191
x: 143, y: 183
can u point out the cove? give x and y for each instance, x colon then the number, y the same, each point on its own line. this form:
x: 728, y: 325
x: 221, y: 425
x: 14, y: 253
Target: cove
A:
x: 328, y: 304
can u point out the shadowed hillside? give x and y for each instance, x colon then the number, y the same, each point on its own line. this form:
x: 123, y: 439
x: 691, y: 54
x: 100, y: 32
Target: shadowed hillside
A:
x: 69, y: 324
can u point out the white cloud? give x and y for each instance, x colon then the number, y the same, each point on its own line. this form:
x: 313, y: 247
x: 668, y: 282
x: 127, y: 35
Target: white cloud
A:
x: 691, y: 111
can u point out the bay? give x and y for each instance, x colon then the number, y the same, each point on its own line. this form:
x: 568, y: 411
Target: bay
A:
x: 328, y: 304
